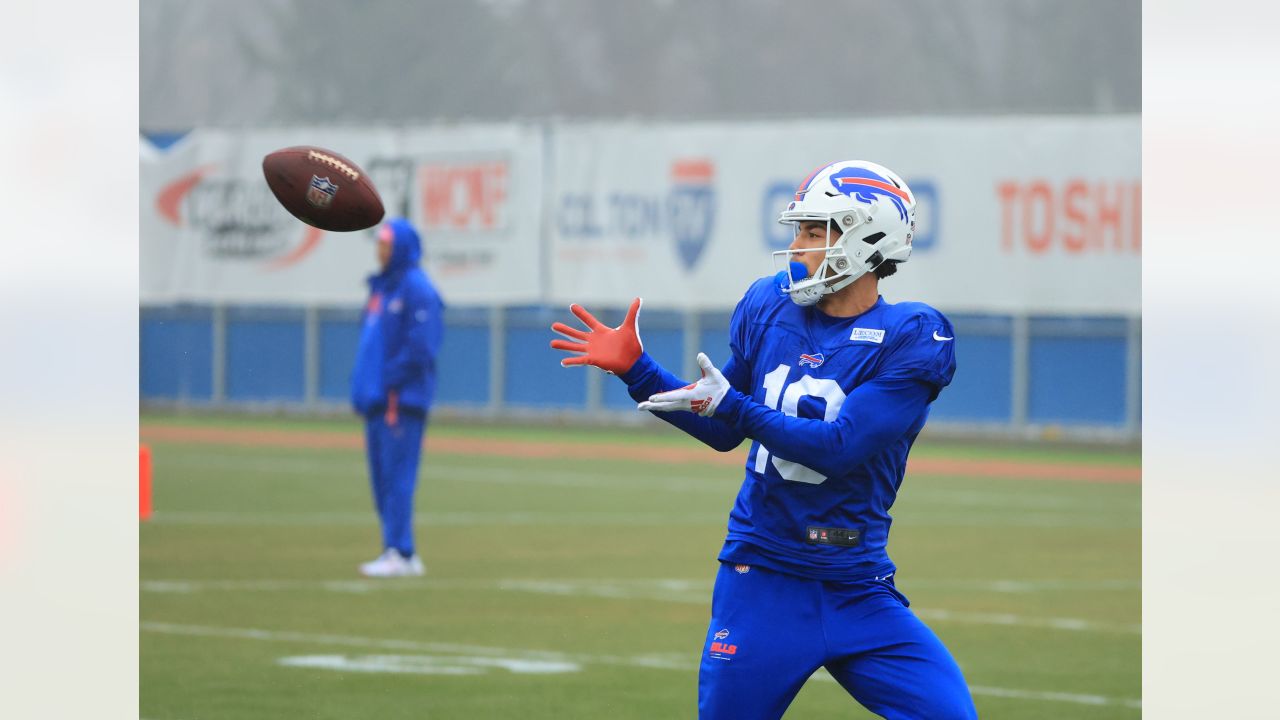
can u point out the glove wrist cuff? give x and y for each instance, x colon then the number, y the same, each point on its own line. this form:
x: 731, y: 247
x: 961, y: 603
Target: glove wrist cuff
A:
x: 643, y: 364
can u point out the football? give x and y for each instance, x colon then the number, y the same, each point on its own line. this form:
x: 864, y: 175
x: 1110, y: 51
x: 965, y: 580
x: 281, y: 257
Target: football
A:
x: 322, y: 188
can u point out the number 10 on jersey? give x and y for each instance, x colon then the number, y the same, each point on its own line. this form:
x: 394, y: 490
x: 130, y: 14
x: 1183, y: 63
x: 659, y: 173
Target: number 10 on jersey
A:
x: 775, y: 388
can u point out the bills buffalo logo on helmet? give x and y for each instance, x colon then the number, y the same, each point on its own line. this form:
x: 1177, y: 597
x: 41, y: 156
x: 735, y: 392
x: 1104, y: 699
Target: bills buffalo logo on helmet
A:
x: 814, y: 360
x: 865, y: 186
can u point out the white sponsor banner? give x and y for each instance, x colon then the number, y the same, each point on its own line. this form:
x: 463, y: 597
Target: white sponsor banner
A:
x: 1016, y: 214
x: 211, y: 231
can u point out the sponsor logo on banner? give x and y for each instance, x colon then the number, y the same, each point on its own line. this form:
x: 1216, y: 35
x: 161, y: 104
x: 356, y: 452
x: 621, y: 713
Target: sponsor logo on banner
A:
x: 1077, y: 217
x: 778, y: 194
x: 686, y: 215
x: 462, y: 204
x: 464, y: 200
x: 692, y: 208
x: 928, y: 209
x: 464, y: 196
x: 237, y: 219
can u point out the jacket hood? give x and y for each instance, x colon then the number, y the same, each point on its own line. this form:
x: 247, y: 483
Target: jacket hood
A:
x: 406, y: 247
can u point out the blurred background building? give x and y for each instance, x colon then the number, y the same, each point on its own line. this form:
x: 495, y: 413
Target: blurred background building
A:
x: 592, y: 151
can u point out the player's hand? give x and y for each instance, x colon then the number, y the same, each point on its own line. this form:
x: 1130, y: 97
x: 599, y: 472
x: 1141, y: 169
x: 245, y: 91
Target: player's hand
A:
x: 702, y: 397
x: 613, y: 350
x: 392, y: 415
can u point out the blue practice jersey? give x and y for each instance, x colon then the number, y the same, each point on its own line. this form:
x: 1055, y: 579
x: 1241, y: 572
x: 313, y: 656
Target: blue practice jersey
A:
x: 833, y: 406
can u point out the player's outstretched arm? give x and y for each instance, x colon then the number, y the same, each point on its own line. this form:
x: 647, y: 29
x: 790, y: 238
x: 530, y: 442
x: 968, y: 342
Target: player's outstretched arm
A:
x: 620, y: 351
x: 874, y: 415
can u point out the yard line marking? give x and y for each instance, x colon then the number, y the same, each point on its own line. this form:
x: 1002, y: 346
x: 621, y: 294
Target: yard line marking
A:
x: 1054, y: 623
x: 428, y: 664
x: 183, y: 586
x: 1055, y: 696
x: 1023, y: 586
x: 662, y: 590
x: 235, y: 518
x: 660, y: 661
x: 496, y: 469
x: 438, y: 519
x: 1046, y: 695
x: 453, y: 468
x: 665, y: 661
x: 648, y: 453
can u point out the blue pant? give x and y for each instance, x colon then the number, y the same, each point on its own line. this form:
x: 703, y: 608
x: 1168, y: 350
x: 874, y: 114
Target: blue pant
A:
x: 770, y: 631
x: 393, y: 453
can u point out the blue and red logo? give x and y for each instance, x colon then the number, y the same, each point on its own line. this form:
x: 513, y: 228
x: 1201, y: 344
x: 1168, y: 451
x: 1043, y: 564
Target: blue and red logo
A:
x: 866, y: 186
x: 692, y: 207
x: 321, y: 192
x: 814, y: 360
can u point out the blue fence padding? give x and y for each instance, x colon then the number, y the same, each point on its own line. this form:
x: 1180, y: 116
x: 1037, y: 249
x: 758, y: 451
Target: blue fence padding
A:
x: 532, y: 376
x: 175, y: 354
x: 665, y: 345
x: 982, y: 390
x: 1079, y: 326
x: 339, y: 337
x: 1077, y: 380
x: 265, y: 354
x: 713, y: 336
x: 1076, y: 365
x: 463, y: 366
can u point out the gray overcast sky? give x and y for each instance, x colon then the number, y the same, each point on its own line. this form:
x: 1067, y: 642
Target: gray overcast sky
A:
x: 250, y: 62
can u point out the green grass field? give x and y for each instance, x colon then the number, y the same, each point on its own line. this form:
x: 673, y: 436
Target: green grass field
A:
x: 581, y: 588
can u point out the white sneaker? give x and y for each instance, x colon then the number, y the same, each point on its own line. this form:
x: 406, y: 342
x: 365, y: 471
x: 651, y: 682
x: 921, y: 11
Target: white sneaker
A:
x: 415, y: 566
x: 391, y: 564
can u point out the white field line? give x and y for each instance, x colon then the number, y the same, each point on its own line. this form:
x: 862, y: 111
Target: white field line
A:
x: 915, y: 518
x: 1020, y: 587
x: 666, y: 661
x: 727, y: 480
x: 1055, y: 696
x: 660, y: 661
x: 232, y: 518
x: 448, y: 469
x: 1046, y: 695
x: 662, y: 590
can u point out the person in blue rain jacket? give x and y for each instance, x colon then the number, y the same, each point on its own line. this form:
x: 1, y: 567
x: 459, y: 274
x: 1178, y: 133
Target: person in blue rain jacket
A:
x: 392, y: 388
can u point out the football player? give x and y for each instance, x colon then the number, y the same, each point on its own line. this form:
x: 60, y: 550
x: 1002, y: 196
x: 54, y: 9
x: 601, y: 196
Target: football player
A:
x: 832, y: 384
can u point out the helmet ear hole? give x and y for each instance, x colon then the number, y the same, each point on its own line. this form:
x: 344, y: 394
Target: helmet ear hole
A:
x: 873, y: 238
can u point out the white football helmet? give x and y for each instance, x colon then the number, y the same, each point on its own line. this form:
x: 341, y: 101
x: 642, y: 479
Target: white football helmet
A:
x: 875, y: 214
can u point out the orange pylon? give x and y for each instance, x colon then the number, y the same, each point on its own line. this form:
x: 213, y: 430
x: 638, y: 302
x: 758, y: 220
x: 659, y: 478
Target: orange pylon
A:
x: 144, y: 482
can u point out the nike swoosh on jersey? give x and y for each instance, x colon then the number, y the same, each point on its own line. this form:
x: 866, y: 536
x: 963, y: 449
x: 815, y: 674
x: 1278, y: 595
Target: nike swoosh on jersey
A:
x: 938, y: 337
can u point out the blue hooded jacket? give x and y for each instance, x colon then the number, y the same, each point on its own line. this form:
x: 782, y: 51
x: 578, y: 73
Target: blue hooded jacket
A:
x: 400, y: 331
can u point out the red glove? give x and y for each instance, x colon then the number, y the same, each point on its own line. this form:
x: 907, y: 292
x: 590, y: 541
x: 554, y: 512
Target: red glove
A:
x: 613, y: 350
x: 392, y: 415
